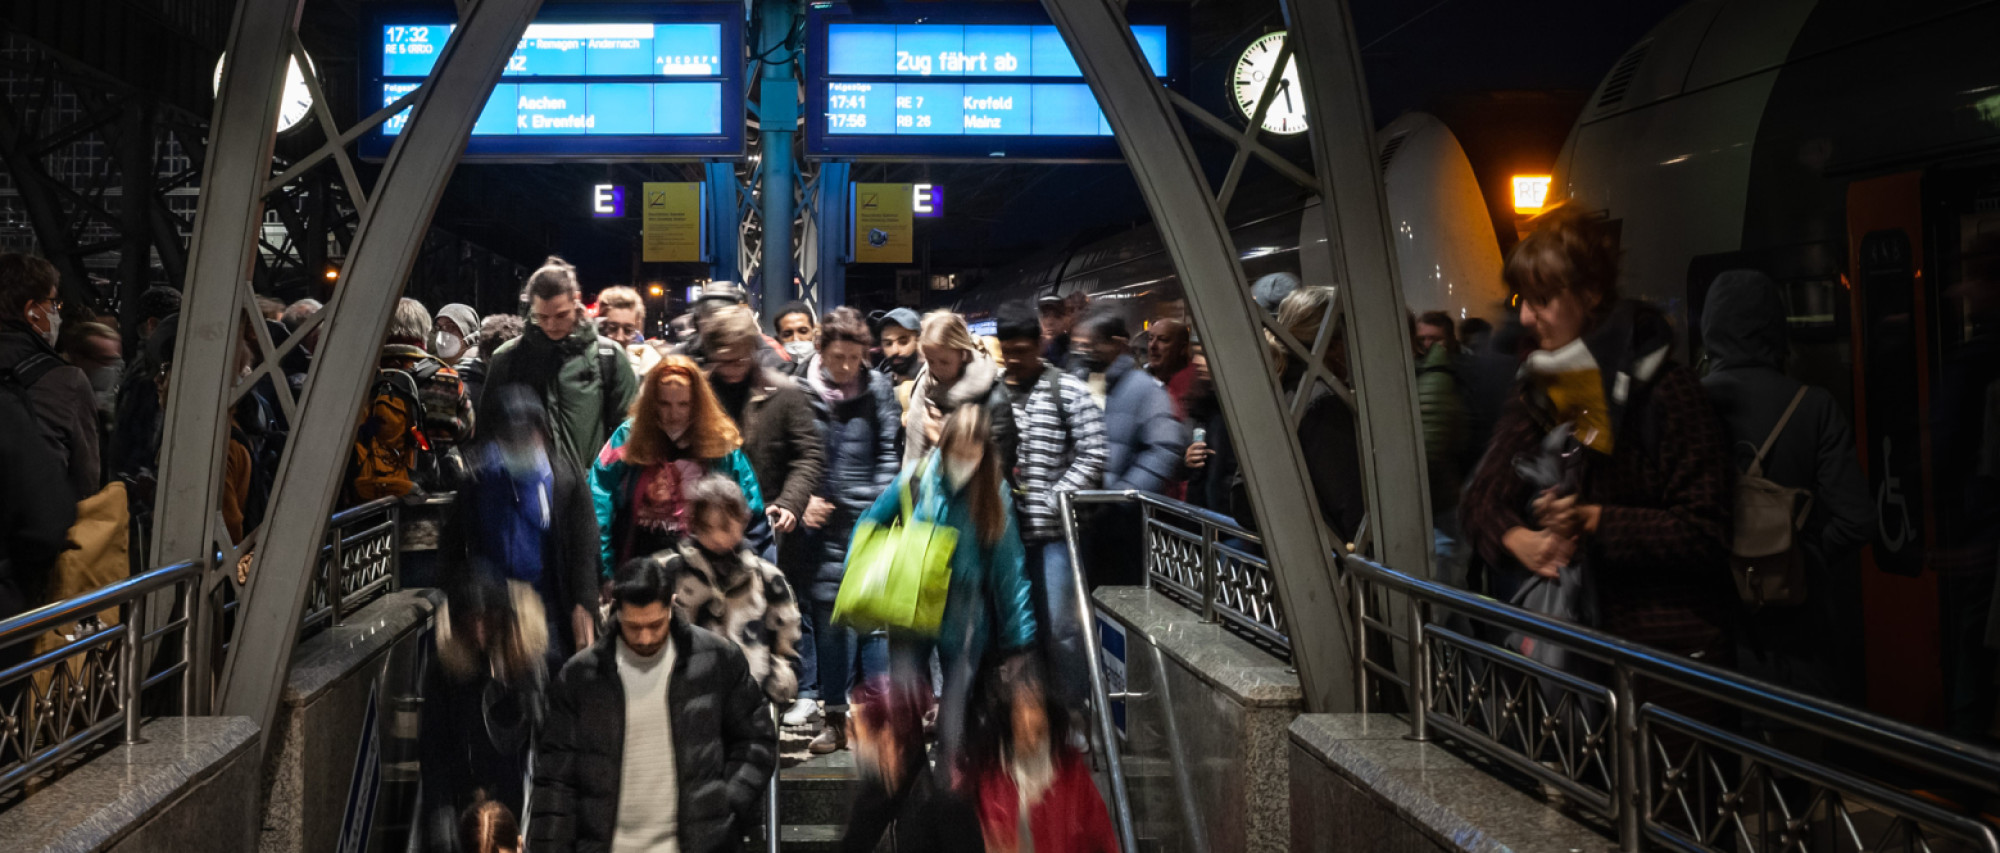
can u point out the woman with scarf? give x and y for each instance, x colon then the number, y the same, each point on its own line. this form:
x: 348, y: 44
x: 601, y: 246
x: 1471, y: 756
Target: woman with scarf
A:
x: 863, y: 431
x: 676, y: 434
x: 1647, y: 511
x: 957, y: 371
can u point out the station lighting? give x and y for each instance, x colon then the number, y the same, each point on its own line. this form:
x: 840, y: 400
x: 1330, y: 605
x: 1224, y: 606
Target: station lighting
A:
x: 1531, y: 193
x: 332, y: 273
x: 656, y: 290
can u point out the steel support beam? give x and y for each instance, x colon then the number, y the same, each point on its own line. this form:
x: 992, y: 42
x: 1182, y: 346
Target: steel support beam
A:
x: 226, y: 227
x: 385, y: 247
x: 725, y: 222
x: 1191, y: 227
x: 1387, y: 426
x: 778, y: 118
x: 830, y: 234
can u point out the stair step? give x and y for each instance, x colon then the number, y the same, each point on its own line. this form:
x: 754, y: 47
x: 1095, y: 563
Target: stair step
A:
x: 817, y: 792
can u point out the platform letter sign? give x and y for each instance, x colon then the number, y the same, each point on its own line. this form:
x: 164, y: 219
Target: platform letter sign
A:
x: 607, y: 201
x: 882, y: 230
x: 926, y: 201
x: 672, y: 223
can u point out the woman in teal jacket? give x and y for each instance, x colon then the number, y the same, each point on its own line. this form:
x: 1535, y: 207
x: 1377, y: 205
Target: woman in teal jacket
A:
x: 959, y: 486
x: 677, y: 433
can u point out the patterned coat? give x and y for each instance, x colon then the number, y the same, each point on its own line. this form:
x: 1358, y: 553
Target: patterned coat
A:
x: 742, y: 598
x: 1056, y: 455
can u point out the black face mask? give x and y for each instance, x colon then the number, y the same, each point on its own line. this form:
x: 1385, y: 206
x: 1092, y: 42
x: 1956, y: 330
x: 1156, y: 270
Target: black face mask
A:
x: 1095, y: 362
x: 901, y: 365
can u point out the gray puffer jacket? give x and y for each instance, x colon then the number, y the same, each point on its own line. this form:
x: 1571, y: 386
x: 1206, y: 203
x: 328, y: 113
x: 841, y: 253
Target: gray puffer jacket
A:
x: 864, y: 447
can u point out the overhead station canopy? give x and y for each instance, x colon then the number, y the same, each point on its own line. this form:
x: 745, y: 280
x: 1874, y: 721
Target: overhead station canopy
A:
x: 955, y: 82
x: 635, y: 81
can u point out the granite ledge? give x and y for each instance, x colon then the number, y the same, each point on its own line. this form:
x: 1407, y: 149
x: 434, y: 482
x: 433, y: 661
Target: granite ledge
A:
x: 1249, y: 675
x: 105, y: 799
x: 330, y: 655
x: 1459, y: 804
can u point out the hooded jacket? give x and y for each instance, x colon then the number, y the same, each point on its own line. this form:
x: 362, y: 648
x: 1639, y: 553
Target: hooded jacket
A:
x: 613, y: 480
x: 725, y: 746
x: 1143, y: 440
x: 570, y: 547
x: 986, y: 582
x: 980, y: 383
x: 64, y: 404
x: 864, y: 446
x: 583, y: 380
x: 1744, y: 328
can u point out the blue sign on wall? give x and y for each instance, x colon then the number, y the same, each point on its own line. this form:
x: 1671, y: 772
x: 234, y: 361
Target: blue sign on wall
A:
x: 591, y: 83
x: 968, y: 81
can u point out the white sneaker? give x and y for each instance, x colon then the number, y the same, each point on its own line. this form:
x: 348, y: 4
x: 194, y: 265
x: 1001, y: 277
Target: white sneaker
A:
x: 803, y: 712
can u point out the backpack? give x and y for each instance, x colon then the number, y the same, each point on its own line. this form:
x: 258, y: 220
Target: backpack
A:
x: 392, y: 455
x: 1764, y: 555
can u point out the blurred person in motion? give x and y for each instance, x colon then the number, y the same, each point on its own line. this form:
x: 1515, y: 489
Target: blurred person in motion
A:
x: 1441, y: 409
x: 797, y: 331
x: 720, y: 296
x: 775, y: 416
x: 898, y: 794
x: 1651, y: 517
x: 677, y: 434
x: 1035, y: 791
x: 864, y: 433
x: 488, y: 827
x: 1326, y: 429
x: 36, y: 512
x: 494, y: 330
x: 957, y: 372
x: 97, y: 350
x: 621, y: 318
x: 583, y: 380
x: 1062, y: 449
x: 298, y: 362
x: 65, y: 406
x: 657, y: 738
x: 272, y: 310
x: 1813, y: 647
x: 721, y: 587
x: 1473, y: 334
x: 452, y: 331
x: 1170, y: 359
x: 900, y: 359
x: 1270, y: 291
x: 1143, y: 443
x: 1057, y: 316
x: 987, y: 607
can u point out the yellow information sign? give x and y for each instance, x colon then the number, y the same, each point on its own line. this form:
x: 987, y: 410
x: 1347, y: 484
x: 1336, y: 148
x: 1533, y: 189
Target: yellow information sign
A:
x: 672, y: 222
x: 882, y: 232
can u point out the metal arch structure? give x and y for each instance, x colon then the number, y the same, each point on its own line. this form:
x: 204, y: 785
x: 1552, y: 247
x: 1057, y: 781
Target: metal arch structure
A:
x: 393, y: 217
x: 1189, y: 218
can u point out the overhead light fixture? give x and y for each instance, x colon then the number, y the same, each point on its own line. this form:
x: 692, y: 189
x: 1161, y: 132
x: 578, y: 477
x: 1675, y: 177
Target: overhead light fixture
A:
x: 332, y: 273
x: 1531, y: 193
x: 656, y: 290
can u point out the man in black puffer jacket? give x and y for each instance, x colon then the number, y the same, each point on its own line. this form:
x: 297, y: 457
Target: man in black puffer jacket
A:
x: 656, y: 735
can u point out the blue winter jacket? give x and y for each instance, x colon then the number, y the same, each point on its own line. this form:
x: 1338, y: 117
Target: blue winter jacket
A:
x: 612, y: 480
x: 864, y: 449
x: 984, y: 581
x: 1144, y: 440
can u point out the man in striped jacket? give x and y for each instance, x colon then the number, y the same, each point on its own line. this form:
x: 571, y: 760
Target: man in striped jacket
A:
x: 1061, y: 449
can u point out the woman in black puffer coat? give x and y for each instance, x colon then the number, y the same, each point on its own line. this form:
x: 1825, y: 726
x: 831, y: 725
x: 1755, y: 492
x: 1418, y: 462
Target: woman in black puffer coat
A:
x: 862, y: 426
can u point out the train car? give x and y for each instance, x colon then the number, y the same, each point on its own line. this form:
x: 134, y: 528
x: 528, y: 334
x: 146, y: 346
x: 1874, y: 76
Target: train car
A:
x: 1852, y: 152
x: 1447, y: 254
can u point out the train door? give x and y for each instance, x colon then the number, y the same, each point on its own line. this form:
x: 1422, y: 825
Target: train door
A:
x: 1892, y: 394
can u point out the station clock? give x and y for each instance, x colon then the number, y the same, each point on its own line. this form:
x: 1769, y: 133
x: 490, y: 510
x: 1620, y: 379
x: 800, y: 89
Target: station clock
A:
x: 1287, y: 113
x: 296, y: 104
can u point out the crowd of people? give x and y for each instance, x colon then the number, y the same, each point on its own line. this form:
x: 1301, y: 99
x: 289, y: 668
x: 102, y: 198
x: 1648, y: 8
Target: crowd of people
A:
x: 647, y: 565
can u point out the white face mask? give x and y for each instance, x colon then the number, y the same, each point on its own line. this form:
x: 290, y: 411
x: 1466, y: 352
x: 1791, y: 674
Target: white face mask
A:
x: 55, y: 326
x: 449, y: 345
x: 958, y: 472
x: 800, y: 350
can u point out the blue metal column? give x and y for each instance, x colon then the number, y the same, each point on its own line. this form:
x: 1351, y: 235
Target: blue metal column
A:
x: 725, y: 223
x: 778, y: 115
x: 831, y: 231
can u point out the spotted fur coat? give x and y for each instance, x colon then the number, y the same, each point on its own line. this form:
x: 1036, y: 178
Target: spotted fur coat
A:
x: 744, y: 599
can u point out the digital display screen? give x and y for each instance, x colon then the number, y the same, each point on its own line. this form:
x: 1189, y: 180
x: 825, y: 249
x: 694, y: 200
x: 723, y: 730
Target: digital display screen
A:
x: 945, y: 88
x: 640, y: 82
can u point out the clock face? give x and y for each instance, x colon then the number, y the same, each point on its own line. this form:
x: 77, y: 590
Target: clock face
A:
x: 1287, y: 113
x: 297, y: 102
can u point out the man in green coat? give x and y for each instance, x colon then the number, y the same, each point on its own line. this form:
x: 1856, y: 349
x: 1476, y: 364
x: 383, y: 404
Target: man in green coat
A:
x: 583, y: 380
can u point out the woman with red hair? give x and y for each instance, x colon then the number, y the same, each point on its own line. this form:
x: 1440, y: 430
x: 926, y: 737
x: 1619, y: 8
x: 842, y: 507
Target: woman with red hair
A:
x: 676, y: 434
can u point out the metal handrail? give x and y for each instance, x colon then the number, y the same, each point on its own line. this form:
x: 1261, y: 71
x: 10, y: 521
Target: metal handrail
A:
x: 1631, y: 783
x: 375, y: 519
x: 130, y: 636
x: 1100, y: 697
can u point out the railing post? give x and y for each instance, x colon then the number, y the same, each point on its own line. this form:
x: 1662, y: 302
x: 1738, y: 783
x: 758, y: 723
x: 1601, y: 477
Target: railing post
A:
x: 1627, y: 796
x: 1100, y: 698
x: 131, y: 677
x: 190, y: 599
x: 1146, y: 542
x: 1210, y: 568
x: 395, y: 547
x: 334, y: 576
x: 1357, y: 595
x: 1420, y: 675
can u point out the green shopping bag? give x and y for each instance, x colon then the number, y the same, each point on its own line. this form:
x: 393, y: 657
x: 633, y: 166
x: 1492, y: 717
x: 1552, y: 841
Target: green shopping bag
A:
x: 898, y: 574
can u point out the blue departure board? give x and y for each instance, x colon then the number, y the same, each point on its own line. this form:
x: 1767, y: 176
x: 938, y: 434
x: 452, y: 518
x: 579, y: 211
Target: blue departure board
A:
x: 956, y: 82
x: 601, y: 83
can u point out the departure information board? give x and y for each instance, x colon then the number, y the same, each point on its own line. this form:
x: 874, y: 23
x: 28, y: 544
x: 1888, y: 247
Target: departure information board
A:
x: 635, y: 81
x: 957, y: 82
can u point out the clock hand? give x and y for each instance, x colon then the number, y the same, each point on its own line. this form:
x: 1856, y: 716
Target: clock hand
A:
x: 1285, y: 86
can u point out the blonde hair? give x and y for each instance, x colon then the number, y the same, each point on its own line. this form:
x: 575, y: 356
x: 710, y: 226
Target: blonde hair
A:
x: 972, y: 425
x: 710, y: 435
x: 947, y: 329
x: 729, y: 327
x: 622, y: 298
x: 1302, y: 314
x: 411, y: 323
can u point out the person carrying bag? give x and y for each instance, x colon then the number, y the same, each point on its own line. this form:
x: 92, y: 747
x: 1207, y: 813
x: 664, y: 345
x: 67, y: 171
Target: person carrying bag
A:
x: 899, y: 574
